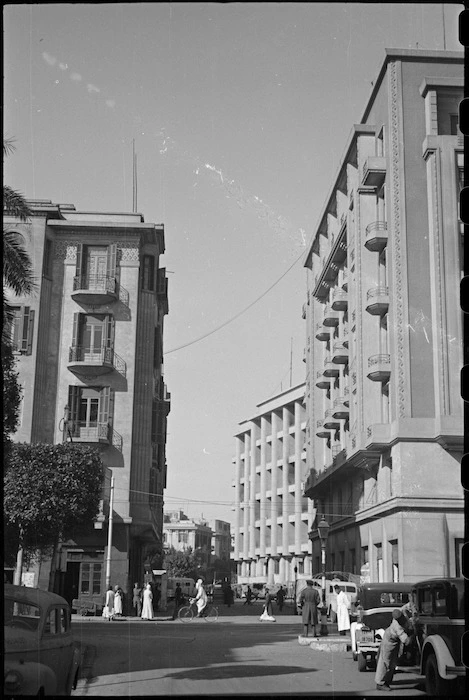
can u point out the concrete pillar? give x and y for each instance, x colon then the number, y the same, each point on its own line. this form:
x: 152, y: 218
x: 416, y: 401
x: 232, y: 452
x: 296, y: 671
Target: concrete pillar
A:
x: 298, y: 475
x: 263, y: 489
x: 274, y: 473
x: 247, y: 490
x: 285, y: 513
x: 236, y: 553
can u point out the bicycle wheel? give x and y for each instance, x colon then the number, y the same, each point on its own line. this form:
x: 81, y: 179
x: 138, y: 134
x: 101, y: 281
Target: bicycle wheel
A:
x: 186, y: 613
x: 211, y: 614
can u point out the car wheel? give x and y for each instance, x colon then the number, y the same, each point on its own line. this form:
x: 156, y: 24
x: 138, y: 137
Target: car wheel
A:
x: 435, y: 685
x: 361, y: 662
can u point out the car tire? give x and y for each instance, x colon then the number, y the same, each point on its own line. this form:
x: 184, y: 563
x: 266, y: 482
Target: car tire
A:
x: 435, y: 685
x: 362, y: 662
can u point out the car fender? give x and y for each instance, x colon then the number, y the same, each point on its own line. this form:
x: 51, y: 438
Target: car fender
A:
x: 34, y: 677
x: 434, y: 643
x: 354, y: 626
x: 74, y: 667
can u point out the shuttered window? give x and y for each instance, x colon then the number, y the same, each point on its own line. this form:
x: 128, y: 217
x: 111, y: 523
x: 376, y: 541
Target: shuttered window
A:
x: 22, y: 329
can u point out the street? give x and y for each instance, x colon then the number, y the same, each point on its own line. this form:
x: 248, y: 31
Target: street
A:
x: 237, y: 655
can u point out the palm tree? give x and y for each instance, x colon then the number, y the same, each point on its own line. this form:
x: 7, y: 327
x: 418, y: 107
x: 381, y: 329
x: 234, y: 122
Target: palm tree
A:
x: 17, y: 267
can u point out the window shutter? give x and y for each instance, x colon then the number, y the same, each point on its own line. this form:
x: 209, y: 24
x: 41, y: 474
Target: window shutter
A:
x: 73, y: 404
x: 104, y: 405
x: 79, y: 266
x: 109, y: 329
x: 76, y: 323
x: 27, y: 330
x: 111, y: 260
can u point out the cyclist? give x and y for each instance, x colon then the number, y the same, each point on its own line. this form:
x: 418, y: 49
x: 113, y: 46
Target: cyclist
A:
x: 201, y: 597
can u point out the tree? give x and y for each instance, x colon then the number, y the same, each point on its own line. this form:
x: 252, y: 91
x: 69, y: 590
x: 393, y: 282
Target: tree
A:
x: 181, y: 564
x: 17, y: 267
x: 50, y: 492
x: 11, y: 392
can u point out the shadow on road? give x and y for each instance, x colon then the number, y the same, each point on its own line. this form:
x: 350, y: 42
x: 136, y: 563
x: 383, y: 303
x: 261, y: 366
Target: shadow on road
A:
x: 236, y: 670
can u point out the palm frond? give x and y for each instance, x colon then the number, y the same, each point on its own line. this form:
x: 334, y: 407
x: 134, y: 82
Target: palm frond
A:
x: 17, y: 266
x: 8, y: 146
x: 15, y: 204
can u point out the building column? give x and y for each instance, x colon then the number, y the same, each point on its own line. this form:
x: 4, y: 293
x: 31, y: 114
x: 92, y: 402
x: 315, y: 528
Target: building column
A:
x: 263, y: 489
x: 285, y: 504
x: 273, y: 487
x: 236, y: 553
x: 252, y: 497
x: 247, y: 495
x: 298, y: 475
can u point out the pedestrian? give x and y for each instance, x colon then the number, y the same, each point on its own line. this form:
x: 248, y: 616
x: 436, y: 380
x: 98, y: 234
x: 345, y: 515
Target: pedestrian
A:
x: 178, y: 599
x: 118, y: 599
x: 157, y: 597
x: 201, y: 597
x: 343, y: 607
x: 108, y: 610
x: 280, y: 598
x: 137, y: 599
x: 309, y: 601
x: 231, y: 596
x: 248, y: 596
x: 147, y: 608
x: 395, y: 637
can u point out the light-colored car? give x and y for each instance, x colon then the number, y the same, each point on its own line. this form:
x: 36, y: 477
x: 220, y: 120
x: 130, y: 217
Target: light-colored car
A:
x: 41, y: 657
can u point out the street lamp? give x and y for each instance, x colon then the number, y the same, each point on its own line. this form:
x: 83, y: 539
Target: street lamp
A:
x: 295, y: 609
x: 323, y: 532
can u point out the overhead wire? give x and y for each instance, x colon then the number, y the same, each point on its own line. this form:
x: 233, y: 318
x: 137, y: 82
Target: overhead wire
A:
x: 240, y: 313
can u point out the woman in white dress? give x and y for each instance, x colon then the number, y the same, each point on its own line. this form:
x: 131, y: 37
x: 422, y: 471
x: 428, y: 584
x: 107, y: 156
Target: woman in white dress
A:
x: 343, y: 607
x: 118, y: 601
x: 147, y: 608
x: 108, y: 610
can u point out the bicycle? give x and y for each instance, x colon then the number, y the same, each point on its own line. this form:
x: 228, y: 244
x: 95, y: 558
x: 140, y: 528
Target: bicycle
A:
x: 187, y: 612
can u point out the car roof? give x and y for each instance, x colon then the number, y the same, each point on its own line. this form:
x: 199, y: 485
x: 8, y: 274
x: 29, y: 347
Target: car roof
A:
x: 387, y: 586
x: 431, y: 581
x: 32, y: 595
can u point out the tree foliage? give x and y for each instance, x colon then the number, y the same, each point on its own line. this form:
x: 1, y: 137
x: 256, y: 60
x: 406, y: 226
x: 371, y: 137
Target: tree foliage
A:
x: 51, y: 491
x: 11, y: 392
x: 183, y: 564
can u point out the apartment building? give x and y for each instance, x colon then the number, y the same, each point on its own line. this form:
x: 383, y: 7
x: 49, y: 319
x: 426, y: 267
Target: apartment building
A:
x: 272, y: 516
x: 182, y: 533
x: 89, y: 346
x: 384, y: 332
x: 221, y: 539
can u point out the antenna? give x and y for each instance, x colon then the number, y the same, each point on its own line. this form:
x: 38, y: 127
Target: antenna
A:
x: 134, y: 174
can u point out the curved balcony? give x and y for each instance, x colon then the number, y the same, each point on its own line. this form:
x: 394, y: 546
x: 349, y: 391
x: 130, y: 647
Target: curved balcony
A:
x: 345, y: 337
x: 321, y: 332
x: 374, y: 171
x: 330, y: 422
x: 321, y: 430
x: 376, y: 236
x: 346, y: 397
x: 94, y: 433
x: 330, y: 369
x: 322, y: 382
x: 379, y: 368
x: 331, y: 317
x: 339, y: 299
x: 92, y: 362
x: 95, y: 289
x: 340, y: 409
x: 377, y: 300
x: 343, y: 279
x: 340, y: 353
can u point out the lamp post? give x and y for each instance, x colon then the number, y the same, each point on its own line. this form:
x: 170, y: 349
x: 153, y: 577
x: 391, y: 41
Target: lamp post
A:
x: 295, y: 609
x: 323, y: 532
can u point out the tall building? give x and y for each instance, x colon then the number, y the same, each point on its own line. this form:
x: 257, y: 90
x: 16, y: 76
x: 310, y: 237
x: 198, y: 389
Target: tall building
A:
x: 272, y: 516
x: 384, y: 332
x: 89, y: 346
x: 221, y: 540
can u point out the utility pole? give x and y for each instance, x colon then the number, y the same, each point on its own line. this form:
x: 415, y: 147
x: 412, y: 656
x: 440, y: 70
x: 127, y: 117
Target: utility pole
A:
x: 109, y: 535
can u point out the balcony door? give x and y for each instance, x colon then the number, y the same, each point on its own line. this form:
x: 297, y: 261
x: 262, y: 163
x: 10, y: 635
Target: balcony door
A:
x: 96, y: 266
x: 94, y: 327
x: 88, y: 412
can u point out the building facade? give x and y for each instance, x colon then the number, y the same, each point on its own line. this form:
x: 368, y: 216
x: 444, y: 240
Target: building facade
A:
x: 221, y: 539
x: 272, y: 515
x: 384, y: 332
x: 183, y: 533
x: 89, y: 346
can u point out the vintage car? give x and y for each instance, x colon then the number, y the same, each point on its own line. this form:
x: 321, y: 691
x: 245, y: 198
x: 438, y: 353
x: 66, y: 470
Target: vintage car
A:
x: 41, y: 657
x: 375, y: 603
x: 440, y: 627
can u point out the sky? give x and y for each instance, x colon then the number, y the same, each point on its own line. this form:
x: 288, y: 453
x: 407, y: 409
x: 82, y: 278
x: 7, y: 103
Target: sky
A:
x: 240, y: 113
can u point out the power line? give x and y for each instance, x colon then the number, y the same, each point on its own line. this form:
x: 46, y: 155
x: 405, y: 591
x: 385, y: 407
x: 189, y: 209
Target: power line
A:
x: 240, y: 313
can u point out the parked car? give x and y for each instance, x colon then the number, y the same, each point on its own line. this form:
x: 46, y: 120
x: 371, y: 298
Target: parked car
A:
x: 440, y: 627
x: 41, y: 657
x: 375, y: 603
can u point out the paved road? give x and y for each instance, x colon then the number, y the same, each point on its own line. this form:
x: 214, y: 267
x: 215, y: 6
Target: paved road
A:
x: 236, y: 655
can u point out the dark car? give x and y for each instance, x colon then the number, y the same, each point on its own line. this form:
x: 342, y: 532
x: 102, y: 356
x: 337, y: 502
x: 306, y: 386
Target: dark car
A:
x: 375, y: 603
x: 41, y: 657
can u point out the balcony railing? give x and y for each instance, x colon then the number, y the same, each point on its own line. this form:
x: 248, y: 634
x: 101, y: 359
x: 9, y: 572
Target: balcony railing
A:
x: 376, y: 235
x: 379, y: 367
x: 94, y: 289
x: 322, y: 382
x: 321, y: 431
x: 321, y: 332
x: 340, y: 409
x: 331, y: 317
x: 340, y: 353
x: 339, y: 299
x: 83, y: 432
x: 88, y: 360
x: 330, y: 422
x: 330, y: 369
x: 377, y: 300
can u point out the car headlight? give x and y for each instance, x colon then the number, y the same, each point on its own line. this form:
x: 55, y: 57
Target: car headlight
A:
x: 12, y: 680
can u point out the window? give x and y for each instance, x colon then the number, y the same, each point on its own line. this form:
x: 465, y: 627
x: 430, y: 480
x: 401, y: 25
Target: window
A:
x: 425, y: 601
x: 96, y: 267
x: 90, y: 576
x: 148, y: 273
x: 21, y: 329
x: 90, y: 411
x: 454, y: 124
x: 440, y: 601
x: 379, y: 561
x: 183, y: 536
x: 458, y: 544
x: 51, y: 626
